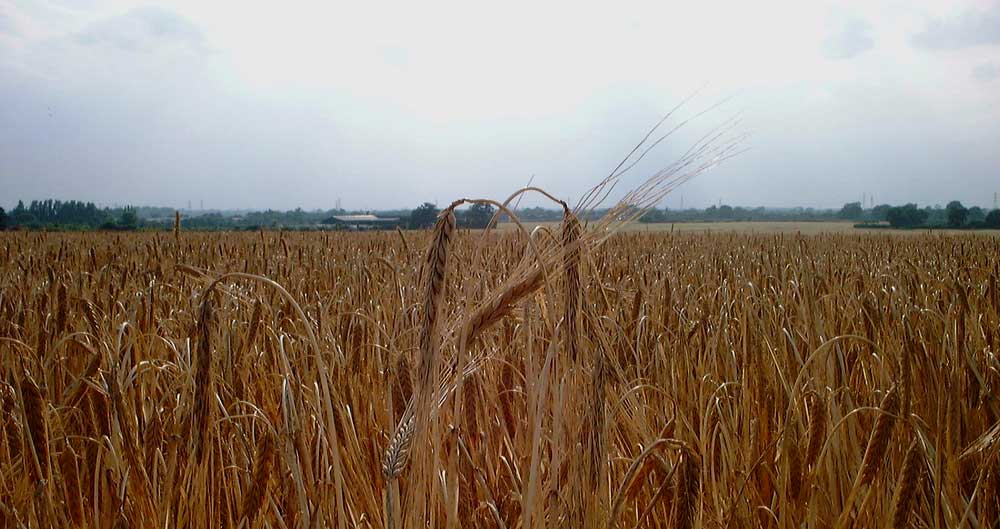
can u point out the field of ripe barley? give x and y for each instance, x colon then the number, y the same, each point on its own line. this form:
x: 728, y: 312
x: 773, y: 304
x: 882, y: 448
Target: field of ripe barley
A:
x: 454, y: 379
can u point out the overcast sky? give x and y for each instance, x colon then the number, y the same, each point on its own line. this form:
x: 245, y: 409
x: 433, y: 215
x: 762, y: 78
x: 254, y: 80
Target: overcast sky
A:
x: 279, y: 104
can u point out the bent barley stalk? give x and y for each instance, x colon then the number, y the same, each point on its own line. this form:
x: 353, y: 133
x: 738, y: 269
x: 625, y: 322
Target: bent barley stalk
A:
x: 412, y: 429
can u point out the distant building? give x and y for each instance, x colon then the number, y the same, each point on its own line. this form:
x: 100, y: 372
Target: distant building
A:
x: 363, y: 222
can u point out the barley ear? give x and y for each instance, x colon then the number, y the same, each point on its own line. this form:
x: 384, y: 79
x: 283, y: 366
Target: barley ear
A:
x: 397, y: 453
x: 256, y: 495
x: 878, y: 443
x: 571, y: 266
x: 686, y: 490
x: 906, y: 486
x: 201, y: 407
x: 34, y: 421
x: 500, y: 305
x: 437, y: 270
x: 816, y: 408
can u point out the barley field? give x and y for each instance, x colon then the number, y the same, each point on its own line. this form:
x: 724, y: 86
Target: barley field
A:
x: 502, y: 380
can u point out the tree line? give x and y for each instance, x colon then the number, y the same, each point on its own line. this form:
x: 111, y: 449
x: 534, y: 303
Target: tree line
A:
x: 78, y: 215
x: 476, y: 216
x: 954, y: 215
x: 68, y: 215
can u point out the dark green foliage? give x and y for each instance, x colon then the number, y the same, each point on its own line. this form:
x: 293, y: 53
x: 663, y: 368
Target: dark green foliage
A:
x: 424, y: 216
x: 20, y: 215
x: 976, y: 215
x: 72, y: 212
x: 129, y: 219
x: 851, y: 211
x: 908, y: 216
x: 957, y: 214
x: 993, y: 219
x: 268, y: 219
x: 477, y: 216
x: 717, y: 213
x: 3, y: 219
x: 880, y: 212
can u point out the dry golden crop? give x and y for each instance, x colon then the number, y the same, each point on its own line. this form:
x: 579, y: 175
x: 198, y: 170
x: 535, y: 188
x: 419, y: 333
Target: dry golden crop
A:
x: 446, y: 379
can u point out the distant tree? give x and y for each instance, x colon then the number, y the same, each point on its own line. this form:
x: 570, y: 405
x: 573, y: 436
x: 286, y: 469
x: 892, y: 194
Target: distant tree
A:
x: 129, y: 220
x: 653, y: 215
x: 895, y: 217
x: 20, y: 215
x: 880, y: 211
x: 976, y: 214
x: 424, y: 216
x: 295, y: 217
x: 3, y: 220
x: 957, y: 214
x: 851, y: 211
x: 908, y: 216
x: 993, y: 219
x: 725, y: 212
x: 479, y: 215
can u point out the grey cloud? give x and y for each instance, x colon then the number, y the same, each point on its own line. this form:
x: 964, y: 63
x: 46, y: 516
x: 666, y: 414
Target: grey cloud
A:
x: 986, y: 72
x: 851, y: 39
x: 143, y: 29
x: 971, y: 28
x: 8, y: 22
x: 397, y: 56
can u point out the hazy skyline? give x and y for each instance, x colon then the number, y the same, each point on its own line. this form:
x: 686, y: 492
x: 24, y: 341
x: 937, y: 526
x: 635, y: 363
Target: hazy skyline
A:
x: 245, y: 105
